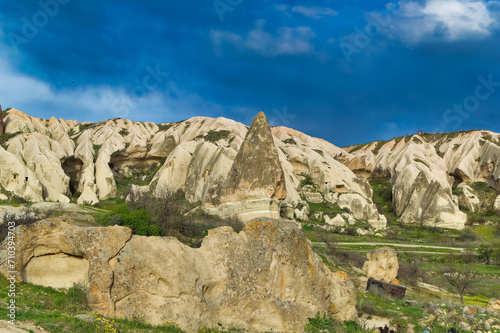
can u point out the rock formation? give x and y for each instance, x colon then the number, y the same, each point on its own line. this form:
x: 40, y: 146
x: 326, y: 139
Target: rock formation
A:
x: 205, y: 157
x: 265, y: 278
x: 424, y: 168
x: 255, y: 183
x: 493, y: 305
x: 381, y: 264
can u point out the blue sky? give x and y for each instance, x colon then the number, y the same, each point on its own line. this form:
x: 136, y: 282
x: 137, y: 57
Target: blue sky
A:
x: 346, y: 71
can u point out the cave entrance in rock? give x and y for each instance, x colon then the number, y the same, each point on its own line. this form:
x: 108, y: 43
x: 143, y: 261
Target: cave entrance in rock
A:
x: 72, y: 167
x: 125, y: 164
x: 457, y: 179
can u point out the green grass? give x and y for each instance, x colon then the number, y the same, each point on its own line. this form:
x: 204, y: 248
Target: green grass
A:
x: 382, y: 197
x: 328, y: 208
x: 96, y: 151
x: 378, y: 146
x: 54, y: 310
x: 357, y: 147
x: 321, y: 324
x: 137, y: 177
x: 6, y: 137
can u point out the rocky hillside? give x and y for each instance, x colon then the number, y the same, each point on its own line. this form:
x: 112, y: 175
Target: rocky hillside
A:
x: 231, y: 169
x: 432, y: 175
x: 226, y: 166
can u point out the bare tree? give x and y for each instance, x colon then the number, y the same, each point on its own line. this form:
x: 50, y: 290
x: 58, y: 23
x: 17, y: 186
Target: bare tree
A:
x: 461, y: 276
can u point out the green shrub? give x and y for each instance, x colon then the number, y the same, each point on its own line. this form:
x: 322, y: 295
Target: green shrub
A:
x: 164, y: 127
x: 467, y: 235
x: 214, y: 136
x: 319, y: 151
x: 321, y: 324
x: 307, y: 180
x: 289, y: 141
x: 123, y: 132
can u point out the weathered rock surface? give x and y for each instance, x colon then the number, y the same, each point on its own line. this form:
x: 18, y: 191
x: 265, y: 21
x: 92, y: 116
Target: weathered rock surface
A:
x: 468, y: 199
x: 197, y: 157
x: 265, y: 278
x: 255, y: 183
x: 493, y: 305
x: 423, y: 169
x: 381, y: 264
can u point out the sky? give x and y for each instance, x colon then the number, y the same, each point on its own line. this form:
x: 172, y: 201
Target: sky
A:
x: 347, y: 71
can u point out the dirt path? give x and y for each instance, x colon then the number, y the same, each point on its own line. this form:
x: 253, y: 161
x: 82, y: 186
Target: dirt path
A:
x: 397, y: 245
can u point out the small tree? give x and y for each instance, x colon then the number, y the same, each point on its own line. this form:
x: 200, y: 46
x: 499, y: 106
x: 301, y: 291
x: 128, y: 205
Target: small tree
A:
x: 485, y: 252
x: 461, y: 276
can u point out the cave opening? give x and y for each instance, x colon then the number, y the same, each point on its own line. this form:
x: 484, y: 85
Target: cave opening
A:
x: 72, y: 167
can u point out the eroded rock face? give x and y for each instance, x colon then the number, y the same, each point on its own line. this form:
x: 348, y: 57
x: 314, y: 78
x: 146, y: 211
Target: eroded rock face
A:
x: 198, y: 156
x: 71, y: 249
x: 265, y: 278
x: 381, y: 264
x: 256, y: 182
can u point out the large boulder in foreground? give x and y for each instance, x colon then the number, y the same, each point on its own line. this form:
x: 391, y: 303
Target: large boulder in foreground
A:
x: 256, y: 182
x: 266, y: 277
x: 381, y: 264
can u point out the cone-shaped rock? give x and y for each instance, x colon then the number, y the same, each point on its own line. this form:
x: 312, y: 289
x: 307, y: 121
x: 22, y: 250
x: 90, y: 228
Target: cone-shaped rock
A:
x: 255, y: 184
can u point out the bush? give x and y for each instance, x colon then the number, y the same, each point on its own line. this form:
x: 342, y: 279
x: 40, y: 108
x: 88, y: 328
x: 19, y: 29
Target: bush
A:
x: 351, y: 231
x: 289, y: 141
x: 485, y: 252
x: 307, y: 180
x: 123, y: 131
x: 410, y: 268
x: 27, y: 216
x: 322, y: 324
x: 344, y: 257
x: 466, y: 235
x: 166, y: 214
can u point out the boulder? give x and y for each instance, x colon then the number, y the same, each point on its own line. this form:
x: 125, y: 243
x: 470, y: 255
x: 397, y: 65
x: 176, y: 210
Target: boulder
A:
x: 381, y: 264
x: 496, y: 205
x: 493, y: 305
x: 265, y: 278
x: 338, y: 220
x: 314, y: 197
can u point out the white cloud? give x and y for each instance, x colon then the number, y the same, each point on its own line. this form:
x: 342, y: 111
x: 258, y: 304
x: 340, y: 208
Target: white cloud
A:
x: 285, y: 41
x: 314, y: 12
x: 451, y: 20
x: 98, y: 102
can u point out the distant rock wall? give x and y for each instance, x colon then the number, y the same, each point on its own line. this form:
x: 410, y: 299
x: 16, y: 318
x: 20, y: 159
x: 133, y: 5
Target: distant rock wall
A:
x: 424, y: 168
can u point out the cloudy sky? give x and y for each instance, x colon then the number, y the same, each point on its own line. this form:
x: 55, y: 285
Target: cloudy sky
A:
x: 347, y: 71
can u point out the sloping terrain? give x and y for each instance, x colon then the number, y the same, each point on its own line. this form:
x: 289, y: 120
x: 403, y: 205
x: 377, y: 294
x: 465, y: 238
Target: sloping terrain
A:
x: 58, y: 160
x: 431, y: 174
